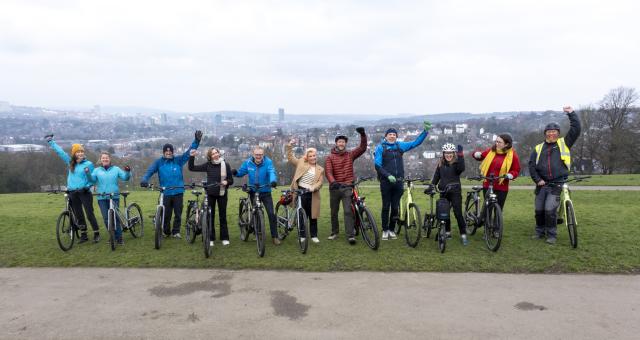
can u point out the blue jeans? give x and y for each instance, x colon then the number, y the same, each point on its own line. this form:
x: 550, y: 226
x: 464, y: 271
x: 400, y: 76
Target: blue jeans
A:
x: 104, y: 209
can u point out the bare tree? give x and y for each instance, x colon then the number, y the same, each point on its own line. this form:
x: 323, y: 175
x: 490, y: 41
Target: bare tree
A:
x: 615, y: 110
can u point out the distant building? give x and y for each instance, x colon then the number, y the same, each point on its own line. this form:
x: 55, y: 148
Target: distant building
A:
x: 281, y: 115
x: 164, y: 119
x: 461, y: 128
x: 448, y: 131
x: 429, y: 154
x: 13, y: 148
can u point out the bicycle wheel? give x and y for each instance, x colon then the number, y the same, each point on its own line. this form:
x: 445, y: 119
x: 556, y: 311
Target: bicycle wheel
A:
x: 427, y: 224
x: 571, y: 224
x: 65, y: 233
x: 282, y: 218
x: 206, y: 233
x: 258, y: 227
x: 158, y: 228
x: 111, y: 227
x: 493, y: 227
x: 442, y: 236
x: 369, y: 229
x: 302, y: 226
x: 191, y: 226
x: 135, y: 220
x: 470, y: 217
x: 413, y: 226
x: 243, y: 220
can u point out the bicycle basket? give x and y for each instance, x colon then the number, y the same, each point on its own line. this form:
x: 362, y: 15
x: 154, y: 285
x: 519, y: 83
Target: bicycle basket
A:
x: 443, y: 206
x: 285, y: 199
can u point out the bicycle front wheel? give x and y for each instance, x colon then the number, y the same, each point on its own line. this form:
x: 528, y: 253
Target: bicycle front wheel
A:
x: 369, y: 229
x: 302, y: 226
x: 282, y: 218
x: 157, y: 220
x: 243, y: 220
x: 191, y: 225
x: 135, y: 220
x: 64, y: 231
x: 111, y: 227
x: 493, y: 227
x: 427, y: 224
x: 206, y: 233
x: 571, y: 224
x: 442, y: 236
x: 470, y: 214
x: 258, y: 229
x: 413, y: 226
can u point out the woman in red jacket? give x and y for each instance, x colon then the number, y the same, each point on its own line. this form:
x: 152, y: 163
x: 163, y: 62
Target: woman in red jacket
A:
x: 500, y: 159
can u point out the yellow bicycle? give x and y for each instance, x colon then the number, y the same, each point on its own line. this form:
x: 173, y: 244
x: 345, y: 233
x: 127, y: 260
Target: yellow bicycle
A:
x: 409, y: 215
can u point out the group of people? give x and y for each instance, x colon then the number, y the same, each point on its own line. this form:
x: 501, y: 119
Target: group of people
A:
x: 549, y: 162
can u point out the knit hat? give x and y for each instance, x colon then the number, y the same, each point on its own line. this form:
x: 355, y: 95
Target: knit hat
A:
x: 75, y: 148
x: 391, y: 130
x: 167, y: 147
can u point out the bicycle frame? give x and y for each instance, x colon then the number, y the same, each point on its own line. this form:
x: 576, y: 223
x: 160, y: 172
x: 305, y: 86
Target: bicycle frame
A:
x: 565, y: 196
x: 407, y: 199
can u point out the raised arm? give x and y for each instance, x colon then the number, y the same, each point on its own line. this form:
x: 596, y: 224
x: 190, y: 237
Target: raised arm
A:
x: 290, y: 156
x: 574, y: 127
x: 192, y: 166
x: 357, y: 152
x: 65, y: 157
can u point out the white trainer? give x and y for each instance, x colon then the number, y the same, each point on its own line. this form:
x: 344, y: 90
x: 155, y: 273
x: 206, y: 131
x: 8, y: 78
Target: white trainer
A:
x: 385, y: 235
x: 315, y: 240
x: 392, y: 235
x: 225, y: 242
x: 210, y: 243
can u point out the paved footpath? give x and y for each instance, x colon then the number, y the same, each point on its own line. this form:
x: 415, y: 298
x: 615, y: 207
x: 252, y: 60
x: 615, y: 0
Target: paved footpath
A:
x: 81, y: 303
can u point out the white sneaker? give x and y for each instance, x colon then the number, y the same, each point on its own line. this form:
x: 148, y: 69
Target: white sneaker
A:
x: 225, y: 242
x: 177, y: 235
x: 392, y: 235
x: 210, y: 243
x: 315, y: 240
x: 302, y: 239
x: 385, y: 235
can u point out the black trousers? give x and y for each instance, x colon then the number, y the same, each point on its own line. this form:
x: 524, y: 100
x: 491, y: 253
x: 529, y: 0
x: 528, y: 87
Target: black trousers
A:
x: 391, y: 194
x: 456, y: 203
x: 306, y: 205
x: 267, y: 203
x: 221, y: 202
x: 83, y: 198
x: 172, y: 204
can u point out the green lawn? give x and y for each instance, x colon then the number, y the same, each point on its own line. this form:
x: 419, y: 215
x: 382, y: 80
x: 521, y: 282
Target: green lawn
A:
x: 608, y: 241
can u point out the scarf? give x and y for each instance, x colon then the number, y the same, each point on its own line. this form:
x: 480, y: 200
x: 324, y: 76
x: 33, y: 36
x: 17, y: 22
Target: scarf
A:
x: 506, y: 164
x: 223, y: 173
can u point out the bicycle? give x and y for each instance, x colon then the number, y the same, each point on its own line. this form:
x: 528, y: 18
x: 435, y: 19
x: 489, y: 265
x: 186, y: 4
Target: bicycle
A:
x: 199, y: 222
x: 251, y: 216
x: 362, y: 216
x: 440, y: 217
x: 289, y: 218
x: 490, y: 215
x: 566, y: 213
x: 67, y: 227
x: 409, y: 215
x: 158, y: 218
x: 129, y: 221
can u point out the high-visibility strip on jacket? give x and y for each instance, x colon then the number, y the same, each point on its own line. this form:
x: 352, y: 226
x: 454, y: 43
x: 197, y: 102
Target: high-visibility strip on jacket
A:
x: 565, y: 153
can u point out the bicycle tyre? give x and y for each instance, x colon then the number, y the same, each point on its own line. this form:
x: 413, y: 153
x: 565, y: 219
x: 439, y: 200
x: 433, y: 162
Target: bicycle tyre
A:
x: 111, y: 228
x: 493, y: 227
x: 571, y: 224
x: 282, y: 218
x: 135, y: 220
x: 243, y: 220
x: 157, y: 220
x: 442, y: 236
x: 427, y: 224
x: 302, y: 227
x: 259, y: 230
x: 65, y: 233
x: 191, y: 224
x: 206, y: 233
x: 413, y: 225
x: 370, y: 233
x: 470, y: 217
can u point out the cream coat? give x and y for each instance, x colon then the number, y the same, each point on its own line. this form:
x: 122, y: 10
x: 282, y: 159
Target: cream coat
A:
x: 301, y: 168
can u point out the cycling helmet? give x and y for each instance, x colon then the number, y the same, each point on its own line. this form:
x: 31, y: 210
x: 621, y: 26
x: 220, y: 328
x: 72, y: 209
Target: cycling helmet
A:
x: 552, y: 126
x: 449, y: 147
x: 341, y: 135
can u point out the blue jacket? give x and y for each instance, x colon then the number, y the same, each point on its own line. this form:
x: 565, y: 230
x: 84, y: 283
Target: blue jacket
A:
x: 107, y: 180
x: 388, y: 156
x: 170, y: 171
x: 262, y: 174
x: 76, y: 179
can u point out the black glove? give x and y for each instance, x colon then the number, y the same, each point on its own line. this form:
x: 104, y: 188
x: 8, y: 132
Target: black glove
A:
x: 334, y: 186
x: 198, y: 135
x: 48, y: 138
x: 234, y: 172
x: 360, y: 130
x: 127, y: 168
x: 274, y: 184
x: 460, y: 152
x: 144, y: 184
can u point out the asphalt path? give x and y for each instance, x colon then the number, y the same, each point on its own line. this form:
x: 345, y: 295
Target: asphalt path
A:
x: 105, y: 303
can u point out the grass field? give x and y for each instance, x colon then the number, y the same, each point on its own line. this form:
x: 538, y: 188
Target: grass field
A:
x: 608, y: 241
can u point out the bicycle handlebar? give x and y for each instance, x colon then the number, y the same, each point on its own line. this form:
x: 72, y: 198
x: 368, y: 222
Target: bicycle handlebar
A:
x: 488, y: 178
x: 248, y: 188
x: 573, y: 179
x: 162, y: 189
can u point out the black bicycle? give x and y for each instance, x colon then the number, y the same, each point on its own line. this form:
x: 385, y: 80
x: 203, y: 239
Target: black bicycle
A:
x: 442, y: 214
x: 199, y: 218
x: 67, y: 227
x: 251, y: 216
x: 490, y: 215
x: 289, y: 218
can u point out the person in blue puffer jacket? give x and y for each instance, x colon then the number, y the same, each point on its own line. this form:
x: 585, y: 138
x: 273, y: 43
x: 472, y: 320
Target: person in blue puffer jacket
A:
x: 262, y: 176
x: 79, y: 187
x: 106, y: 178
x: 390, y: 169
x: 169, y: 169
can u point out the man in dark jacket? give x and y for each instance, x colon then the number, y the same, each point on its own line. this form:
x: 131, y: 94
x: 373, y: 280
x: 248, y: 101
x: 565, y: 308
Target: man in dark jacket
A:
x: 338, y: 169
x: 550, y: 163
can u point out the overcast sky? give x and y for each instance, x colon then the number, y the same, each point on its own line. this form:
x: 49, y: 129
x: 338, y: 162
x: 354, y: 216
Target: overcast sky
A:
x: 357, y: 57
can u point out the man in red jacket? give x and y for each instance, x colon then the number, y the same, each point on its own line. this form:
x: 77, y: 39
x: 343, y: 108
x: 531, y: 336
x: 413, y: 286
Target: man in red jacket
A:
x: 339, y: 172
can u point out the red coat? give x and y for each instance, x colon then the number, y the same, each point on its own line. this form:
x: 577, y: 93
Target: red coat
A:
x: 338, y: 166
x: 496, y: 164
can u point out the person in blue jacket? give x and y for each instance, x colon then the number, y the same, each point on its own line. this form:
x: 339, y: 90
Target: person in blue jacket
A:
x: 106, y: 179
x: 262, y: 177
x: 390, y: 169
x: 79, y: 187
x: 169, y: 169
